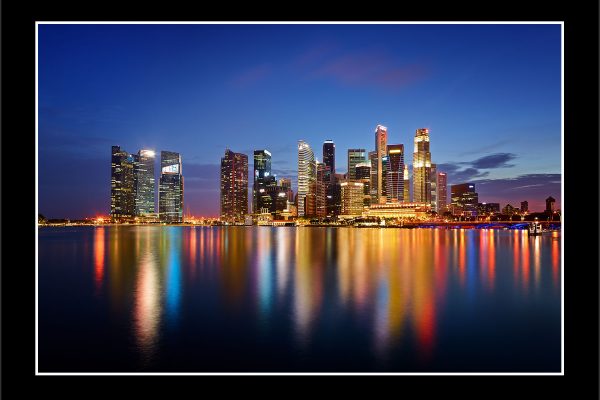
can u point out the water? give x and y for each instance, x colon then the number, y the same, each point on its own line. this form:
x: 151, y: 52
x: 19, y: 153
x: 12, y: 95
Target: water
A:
x: 261, y: 299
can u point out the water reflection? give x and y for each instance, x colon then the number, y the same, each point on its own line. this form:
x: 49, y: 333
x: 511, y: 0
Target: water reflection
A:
x: 394, y: 287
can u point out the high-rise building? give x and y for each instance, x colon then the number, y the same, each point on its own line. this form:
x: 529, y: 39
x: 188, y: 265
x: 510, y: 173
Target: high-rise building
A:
x: 395, y: 173
x: 433, y: 179
x: 352, y: 197
x: 550, y: 204
x: 464, y: 199
x: 329, y: 159
x: 524, y: 206
x: 488, y: 208
x: 422, y: 168
x: 143, y: 175
x: 381, y: 150
x: 406, y: 185
x: 373, y: 183
x: 307, y: 177
x: 234, y: 187
x: 355, y: 157
x: 122, y: 185
x: 322, y: 186
x: 170, y: 188
x: 442, y: 192
x: 363, y: 174
x: 286, y: 186
x: 262, y: 171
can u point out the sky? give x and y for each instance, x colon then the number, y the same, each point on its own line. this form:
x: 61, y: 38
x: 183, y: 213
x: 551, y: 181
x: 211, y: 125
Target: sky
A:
x: 489, y: 94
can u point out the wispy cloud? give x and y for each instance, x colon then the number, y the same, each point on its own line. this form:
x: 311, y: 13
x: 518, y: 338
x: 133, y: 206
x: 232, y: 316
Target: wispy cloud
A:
x: 498, y: 160
x: 468, y: 170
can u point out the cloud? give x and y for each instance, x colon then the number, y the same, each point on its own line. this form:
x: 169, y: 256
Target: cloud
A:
x: 498, y: 160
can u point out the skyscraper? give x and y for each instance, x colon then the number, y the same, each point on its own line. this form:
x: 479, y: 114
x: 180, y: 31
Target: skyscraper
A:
x: 262, y: 171
x: 464, y: 199
x: 381, y: 150
x: 321, y: 189
x: 306, y: 175
x: 363, y: 174
x: 143, y: 174
x: 373, y: 183
x: 234, y: 187
x: 286, y: 186
x: 524, y: 207
x: 433, y: 179
x: 352, y: 197
x: 442, y: 192
x: 122, y: 185
x: 170, y: 188
x: 406, y: 185
x: 395, y: 173
x: 355, y: 157
x: 329, y: 158
x: 422, y: 167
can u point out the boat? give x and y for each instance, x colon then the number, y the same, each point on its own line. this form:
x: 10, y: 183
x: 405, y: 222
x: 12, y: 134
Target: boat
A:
x: 535, y: 229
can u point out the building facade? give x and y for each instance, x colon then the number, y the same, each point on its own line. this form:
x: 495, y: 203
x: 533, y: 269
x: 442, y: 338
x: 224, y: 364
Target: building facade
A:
x: 464, y: 199
x: 524, y: 206
x: 122, y: 185
x: 363, y: 174
x: 433, y: 178
x: 322, y: 186
x: 234, y: 187
x: 145, y: 188
x: 421, y: 167
x: 307, y: 177
x: 170, y: 189
x: 381, y: 152
x: 262, y: 171
x: 395, y: 173
x: 355, y: 157
x: 406, y: 185
x: 352, y: 197
x: 373, y: 183
x: 442, y: 192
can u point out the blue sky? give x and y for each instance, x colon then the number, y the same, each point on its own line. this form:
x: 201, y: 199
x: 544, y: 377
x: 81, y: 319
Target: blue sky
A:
x: 489, y: 94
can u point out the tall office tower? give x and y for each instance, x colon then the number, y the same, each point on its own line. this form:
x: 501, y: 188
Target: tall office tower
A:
x: 381, y: 150
x: 373, y: 183
x: 550, y: 205
x: 307, y: 176
x: 422, y: 168
x: 524, y: 206
x: 363, y: 174
x: 286, y: 186
x: 433, y: 179
x: 122, y: 186
x: 329, y: 158
x: 143, y: 176
x: 395, y: 173
x: 234, y: 186
x: 355, y: 157
x: 385, y: 167
x: 442, y: 192
x: 352, y: 197
x: 322, y: 187
x: 262, y: 170
x: 406, y: 185
x: 170, y: 188
x: 464, y: 199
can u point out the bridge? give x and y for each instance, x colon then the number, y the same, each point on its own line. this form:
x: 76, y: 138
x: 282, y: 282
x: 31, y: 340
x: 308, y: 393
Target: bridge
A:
x: 482, y: 224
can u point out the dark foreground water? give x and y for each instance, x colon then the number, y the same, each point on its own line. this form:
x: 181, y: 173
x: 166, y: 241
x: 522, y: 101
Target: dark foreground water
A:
x: 261, y: 299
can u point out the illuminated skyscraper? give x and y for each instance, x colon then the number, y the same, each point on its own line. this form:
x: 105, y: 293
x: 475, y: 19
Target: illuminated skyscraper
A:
x: 262, y: 171
x: 406, y: 185
x: 381, y: 150
x: 329, y: 159
x: 422, y: 168
x: 122, y: 185
x: 355, y: 157
x: 170, y: 188
x: 395, y: 173
x: 323, y: 184
x: 442, y: 192
x: 143, y: 175
x: 352, y: 197
x: 234, y: 187
x: 363, y: 174
x: 307, y: 176
x: 373, y: 183
x: 464, y: 199
x: 433, y: 179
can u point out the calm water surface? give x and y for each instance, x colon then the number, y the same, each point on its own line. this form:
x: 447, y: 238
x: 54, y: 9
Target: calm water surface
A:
x: 237, y: 299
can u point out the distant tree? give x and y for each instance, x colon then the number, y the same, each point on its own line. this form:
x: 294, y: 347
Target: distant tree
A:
x: 42, y: 219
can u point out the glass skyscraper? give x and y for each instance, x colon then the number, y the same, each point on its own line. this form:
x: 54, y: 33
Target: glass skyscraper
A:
x: 234, y: 187
x: 395, y: 173
x: 307, y: 175
x: 381, y: 151
x: 122, y: 185
x: 262, y: 172
x: 355, y: 157
x: 144, y: 182
x: 433, y: 179
x: 442, y: 192
x: 170, y: 189
x: 422, y: 168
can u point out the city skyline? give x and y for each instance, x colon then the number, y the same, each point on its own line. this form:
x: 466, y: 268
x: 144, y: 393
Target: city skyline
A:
x: 507, y: 143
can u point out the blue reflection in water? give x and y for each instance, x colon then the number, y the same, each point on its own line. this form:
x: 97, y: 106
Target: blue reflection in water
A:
x: 173, y: 284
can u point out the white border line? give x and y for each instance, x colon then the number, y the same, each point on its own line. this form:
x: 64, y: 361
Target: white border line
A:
x: 561, y: 23
x: 562, y: 198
